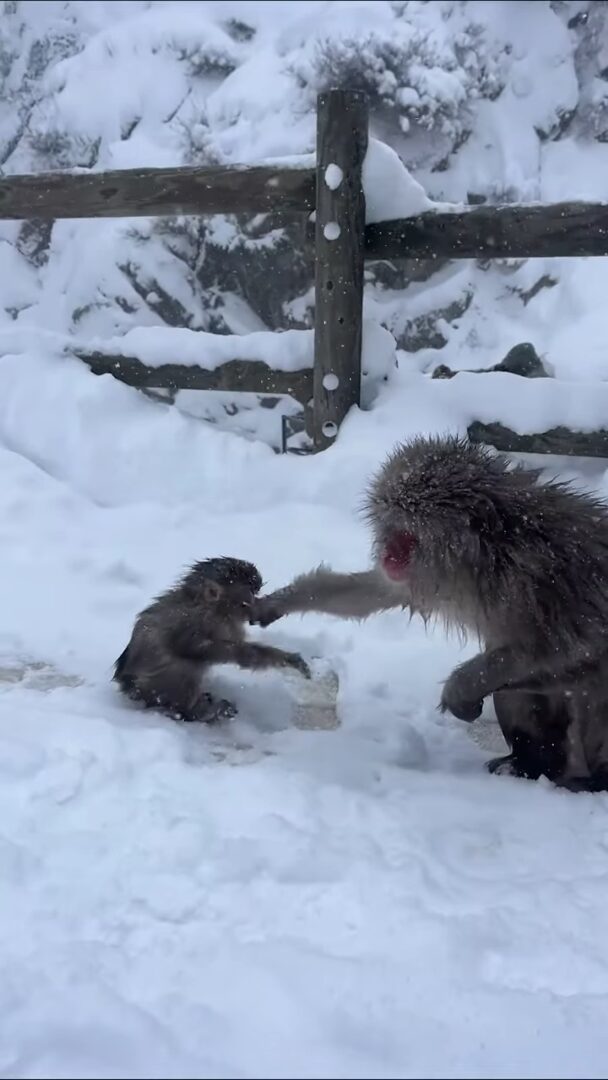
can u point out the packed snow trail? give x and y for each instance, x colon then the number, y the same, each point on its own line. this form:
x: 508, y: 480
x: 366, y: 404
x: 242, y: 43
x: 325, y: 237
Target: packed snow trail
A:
x: 257, y: 900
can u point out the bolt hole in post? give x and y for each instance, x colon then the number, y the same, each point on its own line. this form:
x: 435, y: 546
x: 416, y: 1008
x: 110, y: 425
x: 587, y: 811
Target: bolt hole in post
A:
x: 330, y: 430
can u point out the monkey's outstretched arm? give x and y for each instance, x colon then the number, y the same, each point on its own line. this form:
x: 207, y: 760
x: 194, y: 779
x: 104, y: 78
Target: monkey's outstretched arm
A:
x: 349, y: 596
x: 511, y: 668
x: 249, y: 654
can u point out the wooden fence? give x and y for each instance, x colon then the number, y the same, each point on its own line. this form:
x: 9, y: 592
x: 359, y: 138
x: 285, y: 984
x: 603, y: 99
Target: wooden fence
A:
x: 342, y: 244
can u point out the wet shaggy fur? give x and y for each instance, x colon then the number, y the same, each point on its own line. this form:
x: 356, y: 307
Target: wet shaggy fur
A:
x: 519, y: 562
x: 198, y: 623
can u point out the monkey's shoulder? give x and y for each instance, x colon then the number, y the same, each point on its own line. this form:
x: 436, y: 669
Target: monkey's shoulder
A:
x: 177, y: 602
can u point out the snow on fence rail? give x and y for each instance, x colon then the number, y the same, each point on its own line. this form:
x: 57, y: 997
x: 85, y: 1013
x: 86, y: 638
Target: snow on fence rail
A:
x: 334, y: 191
x: 268, y: 364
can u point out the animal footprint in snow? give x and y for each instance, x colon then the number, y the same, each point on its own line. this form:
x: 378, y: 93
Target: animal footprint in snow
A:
x: 36, y: 675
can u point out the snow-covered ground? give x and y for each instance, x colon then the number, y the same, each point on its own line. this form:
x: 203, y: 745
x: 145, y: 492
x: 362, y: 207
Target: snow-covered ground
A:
x: 258, y: 900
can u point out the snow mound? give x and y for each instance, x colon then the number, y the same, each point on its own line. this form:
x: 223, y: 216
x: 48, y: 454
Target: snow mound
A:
x: 390, y: 190
x: 290, y: 350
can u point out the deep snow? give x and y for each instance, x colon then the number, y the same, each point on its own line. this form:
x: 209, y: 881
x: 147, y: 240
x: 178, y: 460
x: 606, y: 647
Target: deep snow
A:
x: 259, y: 900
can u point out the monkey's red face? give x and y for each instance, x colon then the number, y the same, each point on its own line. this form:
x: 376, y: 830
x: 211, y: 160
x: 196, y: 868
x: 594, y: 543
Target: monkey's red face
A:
x: 397, y: 555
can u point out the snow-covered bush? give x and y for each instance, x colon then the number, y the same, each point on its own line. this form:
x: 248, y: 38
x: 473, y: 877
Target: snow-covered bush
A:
x: 418, y: 75
x: 591, y: 62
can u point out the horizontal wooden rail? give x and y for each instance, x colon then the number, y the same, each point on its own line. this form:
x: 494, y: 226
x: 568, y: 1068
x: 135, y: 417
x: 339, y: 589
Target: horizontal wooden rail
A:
x: 157, y: 192
x: 535, y: 231
x: 241, y: 376
x: 559, y: 440
x: 494, y: 232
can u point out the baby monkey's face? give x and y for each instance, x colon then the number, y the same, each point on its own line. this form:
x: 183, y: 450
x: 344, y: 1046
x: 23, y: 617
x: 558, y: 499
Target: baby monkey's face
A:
x: 235, y: 600
x: 239, y: 600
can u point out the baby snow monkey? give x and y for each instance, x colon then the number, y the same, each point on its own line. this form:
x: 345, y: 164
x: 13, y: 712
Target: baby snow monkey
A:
x: 197, y: 623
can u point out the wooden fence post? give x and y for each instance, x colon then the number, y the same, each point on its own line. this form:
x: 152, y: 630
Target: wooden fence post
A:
x: 342, y: 133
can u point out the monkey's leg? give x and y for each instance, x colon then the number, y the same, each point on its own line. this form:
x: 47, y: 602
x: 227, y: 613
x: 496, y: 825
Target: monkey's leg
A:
x: 175, y: 689
x: 535, y: 727
x: 249, y: 654
x: 564, y: 739
x: 587, y: 764
x: 349, y: 596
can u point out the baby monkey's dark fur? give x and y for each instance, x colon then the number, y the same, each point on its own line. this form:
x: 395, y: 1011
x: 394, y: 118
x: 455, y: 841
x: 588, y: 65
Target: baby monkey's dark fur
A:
x: 519, y: 562
x: 197, y: 623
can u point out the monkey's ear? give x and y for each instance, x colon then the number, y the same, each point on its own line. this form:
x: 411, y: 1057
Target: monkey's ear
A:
x: 212, y: 592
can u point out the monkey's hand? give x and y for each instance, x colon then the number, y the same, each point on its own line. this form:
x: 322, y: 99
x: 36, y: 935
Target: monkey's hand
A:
x: 459, y: 698
x: 264, y: 611
x: 294, y: 660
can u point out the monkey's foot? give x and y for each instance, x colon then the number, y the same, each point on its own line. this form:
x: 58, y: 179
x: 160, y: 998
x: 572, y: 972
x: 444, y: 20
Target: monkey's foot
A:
x: 501, y: 765
x: 226, y: 710
x: 208, y: 711
x: 218, y: 711
x: 592, y: 784
x: 513, y: 765
x: 509, y: 766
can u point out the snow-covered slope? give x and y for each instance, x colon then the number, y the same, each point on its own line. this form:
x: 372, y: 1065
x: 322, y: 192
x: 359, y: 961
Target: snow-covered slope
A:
x: 258, y: 900
x: 483, y: 101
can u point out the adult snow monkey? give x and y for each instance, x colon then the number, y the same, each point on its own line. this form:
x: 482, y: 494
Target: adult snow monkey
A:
x: 462, y: 534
